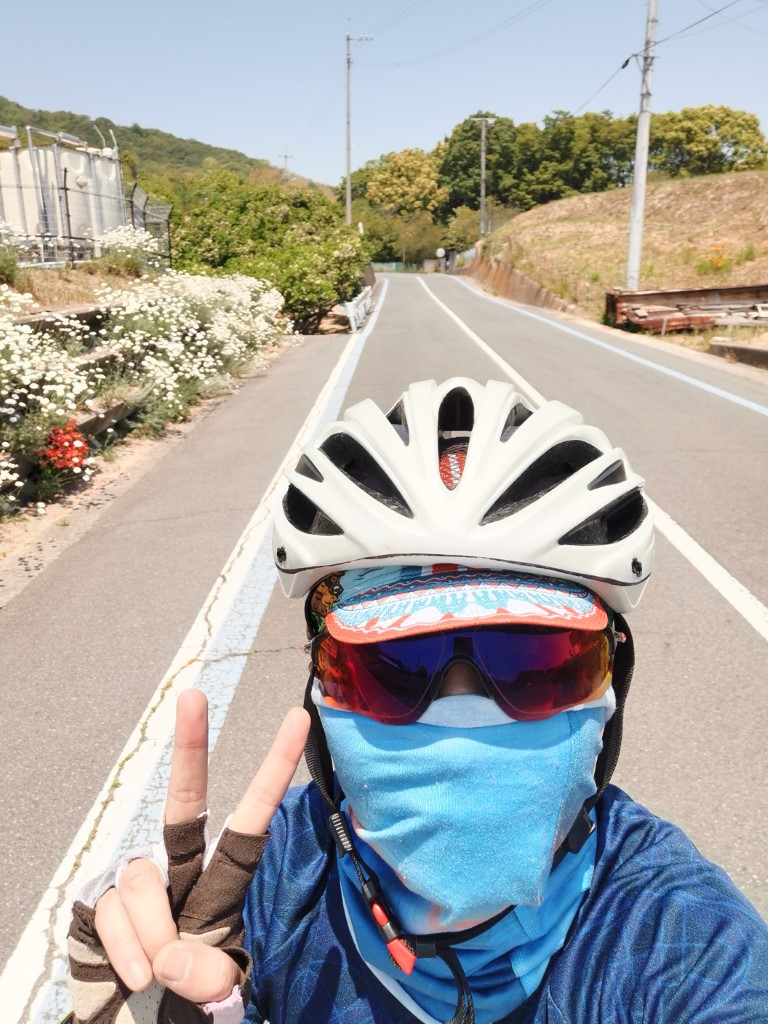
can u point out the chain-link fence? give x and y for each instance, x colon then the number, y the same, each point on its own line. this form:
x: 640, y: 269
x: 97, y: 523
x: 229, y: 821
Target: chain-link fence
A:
x: 153, y: 218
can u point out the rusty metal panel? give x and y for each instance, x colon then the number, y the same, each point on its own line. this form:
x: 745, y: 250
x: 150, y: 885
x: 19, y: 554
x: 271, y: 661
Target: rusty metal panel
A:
x: 686, y: 309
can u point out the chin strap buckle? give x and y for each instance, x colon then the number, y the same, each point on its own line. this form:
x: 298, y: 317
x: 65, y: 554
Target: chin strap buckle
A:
x: 389, y: 930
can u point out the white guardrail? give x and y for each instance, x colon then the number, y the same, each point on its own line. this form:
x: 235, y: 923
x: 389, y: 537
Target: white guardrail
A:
x: 357, y: 310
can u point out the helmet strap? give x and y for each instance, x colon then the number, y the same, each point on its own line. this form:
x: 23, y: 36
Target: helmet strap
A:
x: 623, y: 667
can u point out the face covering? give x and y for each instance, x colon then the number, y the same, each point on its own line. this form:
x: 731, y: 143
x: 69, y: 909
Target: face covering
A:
x: 467, y: 819
x: 504, y: 965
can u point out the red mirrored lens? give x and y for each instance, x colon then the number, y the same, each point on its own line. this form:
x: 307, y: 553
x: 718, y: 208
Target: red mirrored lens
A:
x: 389, y: 681
x: 532, y: 674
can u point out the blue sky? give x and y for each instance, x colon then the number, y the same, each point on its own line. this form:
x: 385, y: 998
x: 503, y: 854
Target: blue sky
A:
x: 268, y: 78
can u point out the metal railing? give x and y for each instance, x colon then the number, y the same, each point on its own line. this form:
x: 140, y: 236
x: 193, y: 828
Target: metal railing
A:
x: 357, y: 310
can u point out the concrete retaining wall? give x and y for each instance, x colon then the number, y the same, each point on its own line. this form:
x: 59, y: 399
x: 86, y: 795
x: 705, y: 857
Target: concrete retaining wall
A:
x: 501, y: 279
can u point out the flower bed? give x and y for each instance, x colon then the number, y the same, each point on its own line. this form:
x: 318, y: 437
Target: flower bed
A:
x: 158, y: 347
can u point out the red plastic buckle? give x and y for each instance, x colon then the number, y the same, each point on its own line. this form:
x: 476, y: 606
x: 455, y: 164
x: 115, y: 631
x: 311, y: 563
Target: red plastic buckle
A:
x: 398, y: 950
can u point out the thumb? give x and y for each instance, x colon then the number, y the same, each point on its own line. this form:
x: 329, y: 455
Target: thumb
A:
x: 199, y: 973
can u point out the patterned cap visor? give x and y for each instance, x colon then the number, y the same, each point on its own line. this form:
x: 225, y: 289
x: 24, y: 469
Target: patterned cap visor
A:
x: 388, y: 604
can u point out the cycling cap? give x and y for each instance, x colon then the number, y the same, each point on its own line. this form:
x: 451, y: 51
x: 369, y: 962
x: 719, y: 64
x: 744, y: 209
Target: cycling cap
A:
x: 372, y: 605
x: 466, y: 474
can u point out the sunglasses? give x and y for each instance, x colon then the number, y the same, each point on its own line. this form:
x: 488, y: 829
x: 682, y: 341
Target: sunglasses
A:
x: 532, y: 673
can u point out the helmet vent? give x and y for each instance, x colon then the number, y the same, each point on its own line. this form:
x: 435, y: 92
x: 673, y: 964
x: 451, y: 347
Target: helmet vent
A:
x: 302, y: 513
x: 517, y: 417
x: 612, y: 523
x: 397, y: 418
x: 305, y: 467
x: 614, y: 474
x: 357, y: 463
x: 457, y: 413
x: 549, y: 470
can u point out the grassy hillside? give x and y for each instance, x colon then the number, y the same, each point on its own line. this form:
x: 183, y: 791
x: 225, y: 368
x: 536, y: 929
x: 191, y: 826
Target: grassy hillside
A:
x: 699, y: 232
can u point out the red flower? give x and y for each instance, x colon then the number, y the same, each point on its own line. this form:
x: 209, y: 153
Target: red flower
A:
x: 65, y: 448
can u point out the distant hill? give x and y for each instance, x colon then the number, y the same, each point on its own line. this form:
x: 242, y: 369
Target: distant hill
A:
x: 149, y: 152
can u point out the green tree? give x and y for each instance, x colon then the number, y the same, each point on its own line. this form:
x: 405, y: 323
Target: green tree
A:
x: 129, y: 165
x: 378, y: 230
x: 418, y: 236
x: 593, y: 152
x: 406, y: 183
x: 460, y: 161
x: 292, y: 237
x: 359, y: 180
x: 706, y: 140
x: 463, y: 229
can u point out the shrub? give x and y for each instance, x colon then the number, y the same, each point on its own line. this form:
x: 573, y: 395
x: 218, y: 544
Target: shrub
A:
x: 128, y: 250
x: 293, y: 238
x: 169, y: 341
x: 9, y: 265
x: 715, y: 262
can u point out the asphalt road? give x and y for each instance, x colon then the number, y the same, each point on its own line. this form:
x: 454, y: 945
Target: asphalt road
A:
x: 110, y: 627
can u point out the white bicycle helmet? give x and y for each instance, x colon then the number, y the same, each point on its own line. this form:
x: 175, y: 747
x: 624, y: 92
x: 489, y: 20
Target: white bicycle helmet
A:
x: 472, y: 474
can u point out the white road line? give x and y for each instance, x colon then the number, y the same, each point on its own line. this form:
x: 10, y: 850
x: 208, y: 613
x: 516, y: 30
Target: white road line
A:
x: 528, y: 389
x: 735, y: 593
x: 212, y: 657
x: 710, y: 388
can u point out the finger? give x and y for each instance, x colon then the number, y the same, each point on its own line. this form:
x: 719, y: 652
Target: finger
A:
x: 188, y: 783
x: 121, y: 944
x: 145, y: 901
x: 196, y: 972
x: 263, y: 796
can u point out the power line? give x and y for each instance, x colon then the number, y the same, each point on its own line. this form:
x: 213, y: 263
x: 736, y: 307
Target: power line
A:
x: 737, y: 20
x: 500, y: 26
x: 639, y: 53
x: 605, y: 83
x: 407, y: 9
x: 693, y: 24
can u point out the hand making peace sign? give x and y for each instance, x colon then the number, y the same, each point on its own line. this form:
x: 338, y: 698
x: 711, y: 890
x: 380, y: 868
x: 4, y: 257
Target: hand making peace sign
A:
x: 150, y: 940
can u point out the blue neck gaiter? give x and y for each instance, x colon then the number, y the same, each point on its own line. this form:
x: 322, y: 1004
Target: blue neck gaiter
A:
x: 504, y: 965
x: 460, y: 823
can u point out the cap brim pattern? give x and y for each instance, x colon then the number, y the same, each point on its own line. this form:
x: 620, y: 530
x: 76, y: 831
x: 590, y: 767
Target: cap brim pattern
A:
x: 391, y: 603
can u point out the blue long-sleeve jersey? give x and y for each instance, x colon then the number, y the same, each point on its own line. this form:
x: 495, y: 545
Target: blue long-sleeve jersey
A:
x: 662, y: 937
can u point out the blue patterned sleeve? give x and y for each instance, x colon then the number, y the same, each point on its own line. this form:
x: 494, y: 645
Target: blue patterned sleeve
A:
x: 665, y: 936
x: 279, y: 909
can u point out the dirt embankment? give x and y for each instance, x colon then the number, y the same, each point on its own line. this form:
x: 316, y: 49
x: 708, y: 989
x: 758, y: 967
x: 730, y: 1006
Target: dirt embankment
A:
x: 698, y: 233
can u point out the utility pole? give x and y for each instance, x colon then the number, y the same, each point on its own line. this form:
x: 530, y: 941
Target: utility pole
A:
x: 637, y: 210
x: 350, y: 39
x: 286, y: 157
x: 484, y: 122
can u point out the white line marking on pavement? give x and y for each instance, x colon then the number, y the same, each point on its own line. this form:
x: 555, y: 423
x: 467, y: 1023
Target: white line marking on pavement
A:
x: 212, y: 658
x: 528, y: 389
x: 676, y: 374
x: 737, y: 595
